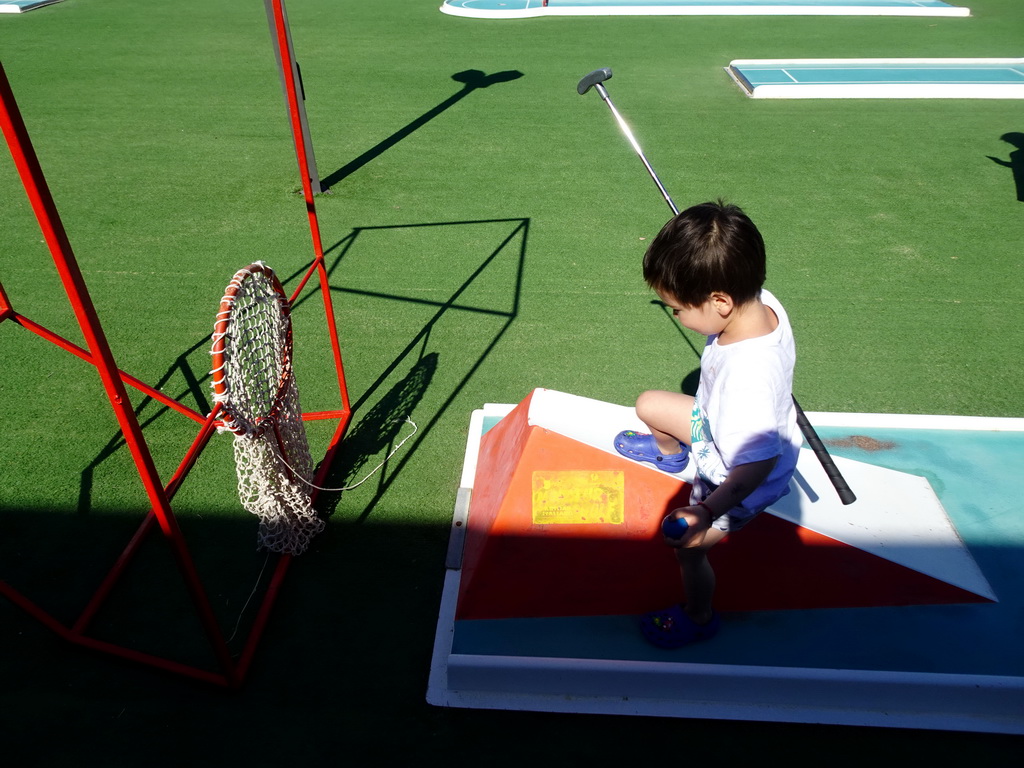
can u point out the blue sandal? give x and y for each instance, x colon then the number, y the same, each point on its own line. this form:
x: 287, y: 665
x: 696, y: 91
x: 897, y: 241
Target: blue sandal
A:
x: 673, y: 628
x: 640, y: 446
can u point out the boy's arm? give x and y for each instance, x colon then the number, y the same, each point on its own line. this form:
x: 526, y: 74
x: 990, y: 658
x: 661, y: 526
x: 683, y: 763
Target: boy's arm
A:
x: 741, y: 481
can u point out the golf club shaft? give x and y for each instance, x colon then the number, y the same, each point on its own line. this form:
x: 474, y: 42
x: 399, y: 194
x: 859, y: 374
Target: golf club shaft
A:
x: 636, y: 146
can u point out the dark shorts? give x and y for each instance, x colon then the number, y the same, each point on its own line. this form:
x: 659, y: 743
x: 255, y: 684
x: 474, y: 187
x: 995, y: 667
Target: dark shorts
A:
x: 731, y: 521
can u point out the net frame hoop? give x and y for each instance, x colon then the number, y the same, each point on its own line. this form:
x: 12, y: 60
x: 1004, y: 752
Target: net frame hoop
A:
x: 220, y: 351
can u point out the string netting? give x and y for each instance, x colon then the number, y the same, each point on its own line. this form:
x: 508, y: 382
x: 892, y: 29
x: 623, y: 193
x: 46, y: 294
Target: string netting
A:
x: 255, y: 384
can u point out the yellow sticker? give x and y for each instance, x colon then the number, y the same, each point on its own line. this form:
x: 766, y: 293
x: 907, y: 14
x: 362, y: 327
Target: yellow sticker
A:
x: 578, y: 498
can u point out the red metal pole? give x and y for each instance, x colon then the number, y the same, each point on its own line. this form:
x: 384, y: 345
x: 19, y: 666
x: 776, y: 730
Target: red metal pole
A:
x: 332, y: 330
x: 6, y: 311
x: 33, y: 610
x: 100, y: 596
x: 100, y: 355
x: 263, y: 615
x: 325, y: 465
x: 323, y: 415
x: 302, y: 283
x: 114, y: 575
x: 56, y: 238
x: 307, y: 191
x: 293, y: 113
x: 229, y: 679
x: 131, y: 381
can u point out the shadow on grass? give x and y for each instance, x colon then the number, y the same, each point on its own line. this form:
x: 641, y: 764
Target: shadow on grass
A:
x: 379, y: 427
x: 382, y: 423
x: 377, y: 431
x: 59, y: 557
x: 59, y: 560
x: 688, y: 386
x: 471, y: 79
x: 193, y: 388
x: 1016, y: 161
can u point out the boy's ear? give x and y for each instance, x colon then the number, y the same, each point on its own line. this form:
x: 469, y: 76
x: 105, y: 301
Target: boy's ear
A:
x: 722, y: 303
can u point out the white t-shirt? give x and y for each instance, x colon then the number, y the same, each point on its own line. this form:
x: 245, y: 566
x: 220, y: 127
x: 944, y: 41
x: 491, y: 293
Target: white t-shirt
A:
x: 744, y: 410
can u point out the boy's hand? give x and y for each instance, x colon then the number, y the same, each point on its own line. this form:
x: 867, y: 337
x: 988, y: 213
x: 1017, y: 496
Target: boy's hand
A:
x: 698, y: 521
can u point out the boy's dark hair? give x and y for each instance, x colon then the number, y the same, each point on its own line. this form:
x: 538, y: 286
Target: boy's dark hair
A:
x: 709, y: 247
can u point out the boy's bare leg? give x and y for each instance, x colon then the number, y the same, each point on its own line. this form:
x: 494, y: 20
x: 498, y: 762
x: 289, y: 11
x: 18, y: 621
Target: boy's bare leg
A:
x: 667, y: 415
x: 699, y: 577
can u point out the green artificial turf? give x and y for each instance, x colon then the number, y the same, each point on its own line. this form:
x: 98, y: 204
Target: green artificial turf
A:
x: 483, y: 233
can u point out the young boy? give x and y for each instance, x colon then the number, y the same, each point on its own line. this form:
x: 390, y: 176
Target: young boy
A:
x: 708, y: 265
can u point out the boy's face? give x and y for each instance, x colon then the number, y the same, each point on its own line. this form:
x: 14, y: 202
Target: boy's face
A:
x: 706, y: 318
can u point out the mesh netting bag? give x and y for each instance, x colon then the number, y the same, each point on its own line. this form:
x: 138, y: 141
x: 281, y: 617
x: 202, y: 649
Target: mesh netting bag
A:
x: 254, y: 382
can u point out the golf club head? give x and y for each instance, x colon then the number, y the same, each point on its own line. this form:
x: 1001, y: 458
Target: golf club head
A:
x: 595, y: 77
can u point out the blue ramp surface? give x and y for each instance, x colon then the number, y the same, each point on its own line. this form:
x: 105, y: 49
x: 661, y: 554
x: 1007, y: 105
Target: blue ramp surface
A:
x: 879, y: 78
x: 519, y: 9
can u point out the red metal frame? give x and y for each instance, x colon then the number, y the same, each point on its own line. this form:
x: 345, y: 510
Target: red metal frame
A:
x: 98, y: 353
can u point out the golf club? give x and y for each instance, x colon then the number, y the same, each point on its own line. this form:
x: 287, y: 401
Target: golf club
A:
x: 596, y: 80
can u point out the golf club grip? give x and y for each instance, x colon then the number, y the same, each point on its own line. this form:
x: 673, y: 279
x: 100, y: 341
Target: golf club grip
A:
x: 846, y: 495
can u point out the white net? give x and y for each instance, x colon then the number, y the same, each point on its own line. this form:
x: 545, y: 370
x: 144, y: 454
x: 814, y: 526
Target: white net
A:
x: 254, y: 382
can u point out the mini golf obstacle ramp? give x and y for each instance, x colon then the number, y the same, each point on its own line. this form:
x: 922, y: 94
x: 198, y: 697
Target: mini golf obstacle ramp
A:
x: 879, y: 78
x: 555, y: 548
x: 521, y: 9
x: 562, y: 525
x: 21, y: 6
